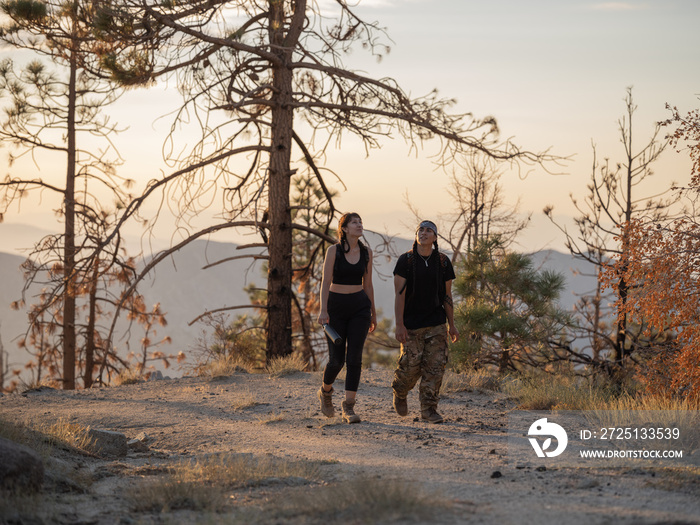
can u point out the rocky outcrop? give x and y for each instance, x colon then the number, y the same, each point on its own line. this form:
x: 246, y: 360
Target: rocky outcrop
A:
x: 20, y: 466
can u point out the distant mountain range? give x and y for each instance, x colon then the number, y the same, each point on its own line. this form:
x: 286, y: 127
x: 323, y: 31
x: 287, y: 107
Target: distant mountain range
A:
x: 185, y: 290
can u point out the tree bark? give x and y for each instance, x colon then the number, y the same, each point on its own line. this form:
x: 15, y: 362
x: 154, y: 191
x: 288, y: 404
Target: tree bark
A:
x: 279, y: 282
x: 69, y: 338
x: 622, y: 286
x: 90, y: 335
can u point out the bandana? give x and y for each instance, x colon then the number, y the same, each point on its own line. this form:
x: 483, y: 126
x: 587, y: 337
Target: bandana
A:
x: 428, y: 224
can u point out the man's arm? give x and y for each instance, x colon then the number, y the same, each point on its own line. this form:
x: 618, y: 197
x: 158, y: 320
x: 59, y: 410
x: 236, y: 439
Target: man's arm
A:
x: 399, y: 305
x: 449, y: 310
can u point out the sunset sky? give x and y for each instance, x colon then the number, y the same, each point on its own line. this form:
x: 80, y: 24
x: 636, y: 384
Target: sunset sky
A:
x: 553, y: 72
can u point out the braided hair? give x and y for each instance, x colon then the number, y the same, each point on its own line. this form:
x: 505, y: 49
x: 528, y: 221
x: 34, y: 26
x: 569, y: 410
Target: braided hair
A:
x: 437, y: 271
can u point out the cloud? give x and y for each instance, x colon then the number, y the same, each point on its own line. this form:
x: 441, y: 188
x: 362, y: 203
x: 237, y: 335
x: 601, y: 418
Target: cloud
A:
x: 617, y: 6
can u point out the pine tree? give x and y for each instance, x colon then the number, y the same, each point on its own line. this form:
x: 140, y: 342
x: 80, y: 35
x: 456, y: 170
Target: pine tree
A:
x: 507, y: 310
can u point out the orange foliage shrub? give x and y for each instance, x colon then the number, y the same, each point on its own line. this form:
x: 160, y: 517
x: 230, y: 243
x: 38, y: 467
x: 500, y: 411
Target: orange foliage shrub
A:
x: 665, y: 292
x: 663, y: 271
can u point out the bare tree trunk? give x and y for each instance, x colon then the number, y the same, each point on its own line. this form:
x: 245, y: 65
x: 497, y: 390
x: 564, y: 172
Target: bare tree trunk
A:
x: 279, y: 283
x: 90, y: 332
x: 622, y: 286
x: 69, y: 338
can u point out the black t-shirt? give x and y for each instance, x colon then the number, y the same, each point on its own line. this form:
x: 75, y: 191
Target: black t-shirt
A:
x: 423, y: 306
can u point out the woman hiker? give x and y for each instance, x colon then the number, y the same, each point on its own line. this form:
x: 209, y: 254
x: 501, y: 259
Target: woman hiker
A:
x: 423, y: 304
x: 347, y: 305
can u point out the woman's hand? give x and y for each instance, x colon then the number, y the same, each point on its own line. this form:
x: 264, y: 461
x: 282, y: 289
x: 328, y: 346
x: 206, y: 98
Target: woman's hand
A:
x: 323, y: 318
x: 373, y: 323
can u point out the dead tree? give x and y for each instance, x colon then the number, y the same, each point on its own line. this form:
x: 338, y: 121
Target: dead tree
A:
x: 267, y: 85
x: 611, y: 202
x: 53, y: 110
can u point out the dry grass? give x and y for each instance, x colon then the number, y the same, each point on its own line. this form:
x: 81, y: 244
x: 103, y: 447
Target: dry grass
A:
x: 205, y: 484
x: 17, y: 432
x: 245, y: 399
x: 272, y: 417
x: 468, y: 381
x: 71, y: 434
x: 551, y: 392
x: 283, y: 366
x: 568, y: 392
x: 173, y: 493
x: 364, y: 501
x: 41, y: 437
x: 606, y: 407
x: 128, y: 376
x: 27, y: 506
x: 648, y: 402
x: 658, y: 412
x: 224, y: 366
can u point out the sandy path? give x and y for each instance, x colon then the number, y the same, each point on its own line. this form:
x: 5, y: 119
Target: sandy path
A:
x: 458, y: 459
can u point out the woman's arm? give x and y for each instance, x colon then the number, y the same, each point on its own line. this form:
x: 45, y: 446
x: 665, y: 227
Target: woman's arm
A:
x: 369, y: 290
x: 326, y: 281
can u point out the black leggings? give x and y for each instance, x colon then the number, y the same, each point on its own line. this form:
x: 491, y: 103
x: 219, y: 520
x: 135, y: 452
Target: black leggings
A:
x: 350, y: 315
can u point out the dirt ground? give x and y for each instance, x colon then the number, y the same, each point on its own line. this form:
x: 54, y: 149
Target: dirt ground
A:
x: 463, y: 461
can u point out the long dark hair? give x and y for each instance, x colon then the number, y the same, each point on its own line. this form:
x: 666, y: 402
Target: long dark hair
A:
x: 344, y: 244
x: 342, y: 222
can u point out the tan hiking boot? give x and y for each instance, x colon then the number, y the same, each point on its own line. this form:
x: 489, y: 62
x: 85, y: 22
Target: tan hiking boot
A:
x: 349, y: 412
x: 326, y: 399
x: 400, y: 405
x: 431, y: 416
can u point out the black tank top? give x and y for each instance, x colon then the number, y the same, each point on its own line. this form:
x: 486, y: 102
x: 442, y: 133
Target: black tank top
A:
x: 346, y: 273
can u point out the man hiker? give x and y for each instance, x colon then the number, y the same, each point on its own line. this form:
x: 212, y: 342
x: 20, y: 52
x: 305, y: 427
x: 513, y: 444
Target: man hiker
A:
x: 423, y: 305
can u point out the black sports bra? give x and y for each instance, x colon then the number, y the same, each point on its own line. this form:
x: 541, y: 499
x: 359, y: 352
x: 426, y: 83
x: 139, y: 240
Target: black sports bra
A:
x: 346, y: 273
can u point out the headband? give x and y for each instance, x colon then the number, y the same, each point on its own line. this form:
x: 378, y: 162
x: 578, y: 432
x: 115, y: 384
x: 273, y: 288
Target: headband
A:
x: 428, y: 224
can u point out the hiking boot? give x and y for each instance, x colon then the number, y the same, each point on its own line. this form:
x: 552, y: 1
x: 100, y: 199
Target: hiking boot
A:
x: 431, y: 415
x: 326, y: 399
x: 349, y: 412
x: 400, y: 405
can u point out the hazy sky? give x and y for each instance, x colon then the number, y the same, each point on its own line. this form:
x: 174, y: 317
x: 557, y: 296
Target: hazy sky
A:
x: 553, y: 72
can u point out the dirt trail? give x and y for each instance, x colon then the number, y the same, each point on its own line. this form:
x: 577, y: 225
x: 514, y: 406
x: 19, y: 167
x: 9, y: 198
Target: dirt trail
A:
x: 463, y: 460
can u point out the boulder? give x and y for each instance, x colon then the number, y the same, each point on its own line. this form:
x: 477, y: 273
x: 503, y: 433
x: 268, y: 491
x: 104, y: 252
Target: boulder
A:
x: 140, y: 443
x: 156, y: 376
x: 107, y: 443
x: 20, y: 466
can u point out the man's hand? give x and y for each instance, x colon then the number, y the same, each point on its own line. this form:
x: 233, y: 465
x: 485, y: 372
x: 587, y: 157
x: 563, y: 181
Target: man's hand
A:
x: 454, y: 334
x: 401, y: 334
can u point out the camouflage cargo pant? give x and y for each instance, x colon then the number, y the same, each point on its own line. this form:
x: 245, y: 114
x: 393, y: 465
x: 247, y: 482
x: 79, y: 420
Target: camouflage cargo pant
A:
x: 423, y: 356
